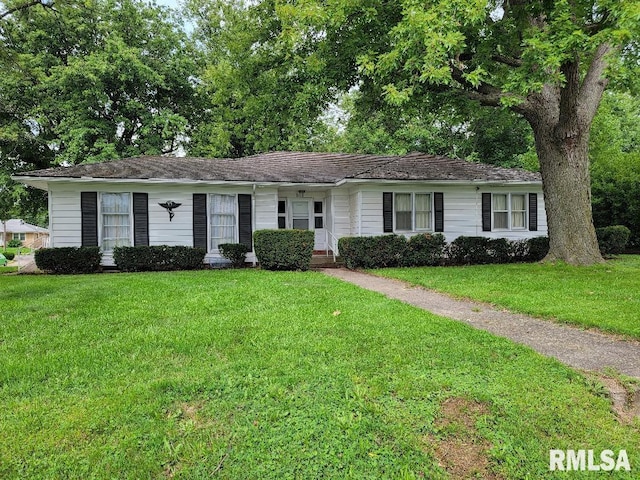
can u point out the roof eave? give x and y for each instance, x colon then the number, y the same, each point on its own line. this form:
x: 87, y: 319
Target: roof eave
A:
x: 42, y: 182
x: 440, y: 182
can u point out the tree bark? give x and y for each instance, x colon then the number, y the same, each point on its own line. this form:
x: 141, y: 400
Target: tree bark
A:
x: 562, y: 143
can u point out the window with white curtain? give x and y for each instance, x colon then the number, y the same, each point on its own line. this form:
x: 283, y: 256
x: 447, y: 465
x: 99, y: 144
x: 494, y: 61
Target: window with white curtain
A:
x: 500, y: 211
x: 115, y: 211
x: 222, y: 220
x: 518, y: 211
x: 422, y: 211
x: 412, y: 211
x: 509, y: 211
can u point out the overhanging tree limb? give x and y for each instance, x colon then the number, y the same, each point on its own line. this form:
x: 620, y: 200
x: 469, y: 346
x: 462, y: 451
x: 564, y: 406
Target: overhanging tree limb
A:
x: 594, y: 83
x: 44, y: 3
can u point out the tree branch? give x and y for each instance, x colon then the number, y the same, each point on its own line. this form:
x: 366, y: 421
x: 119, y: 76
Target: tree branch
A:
x: 44, y: 3
x: 510, y: 61
x: 593, y: 84
x: 484, y: 93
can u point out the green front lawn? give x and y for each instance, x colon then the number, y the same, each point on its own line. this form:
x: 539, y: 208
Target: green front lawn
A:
x: 254, y: 374
x: 603, y: 296
x: 16, y: 250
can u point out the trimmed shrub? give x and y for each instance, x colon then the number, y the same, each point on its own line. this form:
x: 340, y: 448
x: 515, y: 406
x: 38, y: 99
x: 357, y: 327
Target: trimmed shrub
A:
x: 284, y: 249
x: 69, y: 260
x: 424, y: 250
x: 613, y: 239
x: 373, y: 252
x: 9, y: 255
x: 537, y: 249
x: 469, y: 251
x: 500, y: 250
x: 519, y: 250
x: 158, y: 258
x: 14, y: 243
x: 235, y: 252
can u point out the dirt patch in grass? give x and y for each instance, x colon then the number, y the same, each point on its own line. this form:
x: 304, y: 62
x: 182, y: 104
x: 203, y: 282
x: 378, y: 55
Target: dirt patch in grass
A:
x: 625, y: 399
x: 459, y: 448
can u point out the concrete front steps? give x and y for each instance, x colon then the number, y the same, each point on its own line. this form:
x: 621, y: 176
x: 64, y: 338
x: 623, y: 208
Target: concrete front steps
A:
x: 320, y: 259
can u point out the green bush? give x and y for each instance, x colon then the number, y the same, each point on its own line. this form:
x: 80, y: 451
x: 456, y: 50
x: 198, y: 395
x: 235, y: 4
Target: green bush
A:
x: 537, y: 249
x: 373, y: 252
x: 469, y: 251
x: 284, y: 249
x: 69, y: 260
x: 432, y: 249
x: 14, y: 243
x: 9, y: 255
x: 158, y: 258
x: 235, y: 252
x: 613, y: 239
x: 424, y: 250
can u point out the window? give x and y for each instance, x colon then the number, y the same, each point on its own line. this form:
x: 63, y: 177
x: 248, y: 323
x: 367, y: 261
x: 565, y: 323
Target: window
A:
x: 509, y: 211
x: 222, y: 220
x: 19, y: 236
x: 300, y: 214
x: 282, y: 214
x: 318, y: 219
x: 115, y: 211
x: 412, y: 211
x: 518, y: 211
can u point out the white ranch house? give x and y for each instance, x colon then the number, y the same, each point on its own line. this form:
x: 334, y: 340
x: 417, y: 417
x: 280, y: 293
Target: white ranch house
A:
x: 124, y: 202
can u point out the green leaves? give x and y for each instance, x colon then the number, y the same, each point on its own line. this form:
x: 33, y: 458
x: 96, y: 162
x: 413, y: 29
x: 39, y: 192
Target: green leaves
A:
x: 99, y: 79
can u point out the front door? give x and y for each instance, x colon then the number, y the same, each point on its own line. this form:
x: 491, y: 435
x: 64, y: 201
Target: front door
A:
x: 304, y: 214
x: 300, y: 214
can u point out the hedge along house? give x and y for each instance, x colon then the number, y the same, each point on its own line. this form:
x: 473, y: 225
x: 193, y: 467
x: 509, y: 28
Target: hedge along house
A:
x: 207, y: 202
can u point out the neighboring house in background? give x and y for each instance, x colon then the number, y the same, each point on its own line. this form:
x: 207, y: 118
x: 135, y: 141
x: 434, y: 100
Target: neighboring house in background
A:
x: 31, y: 236
x: 127, y: 202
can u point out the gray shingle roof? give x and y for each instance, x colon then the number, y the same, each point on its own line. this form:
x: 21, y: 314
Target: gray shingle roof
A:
x: 292, y: 167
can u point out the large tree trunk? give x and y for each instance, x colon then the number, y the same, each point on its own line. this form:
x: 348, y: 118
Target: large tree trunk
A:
x: 564, y: 165
x: 561, y: 118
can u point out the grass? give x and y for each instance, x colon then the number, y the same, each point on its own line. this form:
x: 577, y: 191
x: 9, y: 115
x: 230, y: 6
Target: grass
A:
x: 602, y: 296
x: 8, y: 269
x: 16, y: 250
x: 254, y: 374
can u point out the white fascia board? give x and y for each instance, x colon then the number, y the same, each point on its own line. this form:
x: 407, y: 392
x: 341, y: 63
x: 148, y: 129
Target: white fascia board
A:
x: 42, y: 182
x: 491, y: 183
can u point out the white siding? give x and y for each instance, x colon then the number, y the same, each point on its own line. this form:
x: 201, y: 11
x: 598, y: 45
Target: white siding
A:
x: 266, y: 209
x: 65, y: 216
x: 341, y: 213
x: 462, y: 209
x: 350, y: 210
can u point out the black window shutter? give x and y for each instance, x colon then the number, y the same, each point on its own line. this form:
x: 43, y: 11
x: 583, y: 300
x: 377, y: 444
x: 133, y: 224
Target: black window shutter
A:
x: 387, y: 212
x: 533, y: 212
x: 245, y: 231
x: 89, y: 218
x: 438, y: 206
x: 140, y: 219
x: 200, y: 220
x: 486, y: 212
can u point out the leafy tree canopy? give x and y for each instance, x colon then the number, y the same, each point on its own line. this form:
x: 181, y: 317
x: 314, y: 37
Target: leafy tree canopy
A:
x: 258, y: 97
x: 90, y: 80
x: 549, y: 61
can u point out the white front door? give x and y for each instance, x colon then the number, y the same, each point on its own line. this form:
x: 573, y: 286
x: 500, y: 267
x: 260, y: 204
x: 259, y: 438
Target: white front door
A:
x: 304, y: 214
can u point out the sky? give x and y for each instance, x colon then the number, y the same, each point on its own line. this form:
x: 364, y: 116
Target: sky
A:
x: 169, y: 3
